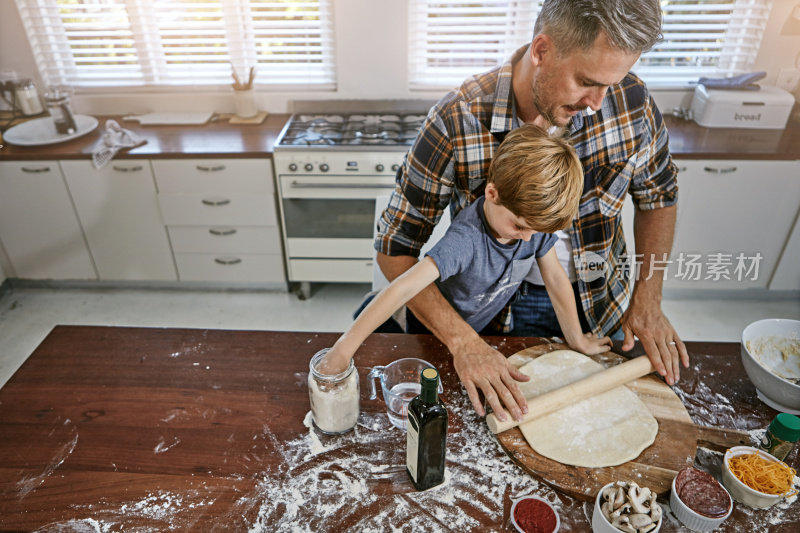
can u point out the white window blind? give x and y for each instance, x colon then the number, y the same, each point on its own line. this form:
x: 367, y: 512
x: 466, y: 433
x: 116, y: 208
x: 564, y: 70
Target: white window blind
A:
x: 713, y: 38
x: 101, y: 43
x: 450, y: 40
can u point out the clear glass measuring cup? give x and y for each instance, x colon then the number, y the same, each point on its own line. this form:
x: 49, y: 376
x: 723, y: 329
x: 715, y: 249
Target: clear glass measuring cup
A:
x: 399, y: 383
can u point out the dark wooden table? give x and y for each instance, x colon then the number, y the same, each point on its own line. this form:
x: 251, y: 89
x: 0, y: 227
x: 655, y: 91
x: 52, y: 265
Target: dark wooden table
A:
x: 146, y: 429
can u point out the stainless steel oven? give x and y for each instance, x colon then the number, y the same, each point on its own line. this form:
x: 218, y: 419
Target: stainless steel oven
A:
x: 330, y: 170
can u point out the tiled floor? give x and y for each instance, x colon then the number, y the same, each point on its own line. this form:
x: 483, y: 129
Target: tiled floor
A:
x: 28, y: 314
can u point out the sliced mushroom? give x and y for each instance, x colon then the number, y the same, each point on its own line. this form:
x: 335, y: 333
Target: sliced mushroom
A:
x: 619, y: 498
x: 639, y: 520
x: 609, y: 494
x: 622, y: 524
x: 639, y: 498
x: 607, y: 510
x: 622, y: 509
x: 655, y: 512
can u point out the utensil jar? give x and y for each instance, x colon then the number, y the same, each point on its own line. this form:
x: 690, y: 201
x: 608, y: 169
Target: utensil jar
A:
x: 244, y: 102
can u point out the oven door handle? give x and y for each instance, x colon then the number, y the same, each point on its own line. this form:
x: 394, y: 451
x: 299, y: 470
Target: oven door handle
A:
x: 324, y: 185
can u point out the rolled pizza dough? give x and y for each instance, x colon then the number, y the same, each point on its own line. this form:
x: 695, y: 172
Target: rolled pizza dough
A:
x: 605, y: 430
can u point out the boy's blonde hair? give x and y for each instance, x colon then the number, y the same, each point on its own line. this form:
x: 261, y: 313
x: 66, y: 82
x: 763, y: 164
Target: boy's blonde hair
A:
x: 538, y: 178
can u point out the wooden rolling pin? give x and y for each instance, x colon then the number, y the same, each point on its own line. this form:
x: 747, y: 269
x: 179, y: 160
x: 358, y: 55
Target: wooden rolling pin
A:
x: 576, y: 391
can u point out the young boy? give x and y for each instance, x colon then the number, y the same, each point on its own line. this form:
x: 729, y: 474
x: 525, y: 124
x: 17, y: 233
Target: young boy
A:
x: 533, y: 189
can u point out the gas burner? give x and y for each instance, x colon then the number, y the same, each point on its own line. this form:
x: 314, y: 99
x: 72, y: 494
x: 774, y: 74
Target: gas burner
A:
x: 356, y: 129
x: 374, y: 119
x: 372, y: 131
x: 370, y: 141
x: 320, y: 119
x: 309, y: 138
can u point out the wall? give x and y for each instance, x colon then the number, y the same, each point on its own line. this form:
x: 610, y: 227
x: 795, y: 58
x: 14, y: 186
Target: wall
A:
x: 371, y: 57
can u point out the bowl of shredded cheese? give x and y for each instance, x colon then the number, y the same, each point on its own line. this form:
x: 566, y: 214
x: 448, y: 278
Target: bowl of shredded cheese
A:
x: 755, y: 478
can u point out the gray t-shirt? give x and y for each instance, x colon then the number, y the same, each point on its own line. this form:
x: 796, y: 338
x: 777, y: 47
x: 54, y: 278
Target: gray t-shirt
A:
x: 478, y: 274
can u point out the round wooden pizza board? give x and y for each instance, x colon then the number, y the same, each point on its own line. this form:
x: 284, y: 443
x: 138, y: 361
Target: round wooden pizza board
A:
x: 674, y: 447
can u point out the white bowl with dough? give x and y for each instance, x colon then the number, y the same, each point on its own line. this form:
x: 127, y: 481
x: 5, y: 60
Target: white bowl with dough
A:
x: 771, y: 357
x: 600, y: 523
x: 741, y: 492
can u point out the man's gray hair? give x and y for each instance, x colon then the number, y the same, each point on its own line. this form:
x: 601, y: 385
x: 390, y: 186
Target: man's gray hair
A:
x: 631, y: 25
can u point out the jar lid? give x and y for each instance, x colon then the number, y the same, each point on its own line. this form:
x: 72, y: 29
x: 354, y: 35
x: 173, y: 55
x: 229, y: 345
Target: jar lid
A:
x: 786, y: 427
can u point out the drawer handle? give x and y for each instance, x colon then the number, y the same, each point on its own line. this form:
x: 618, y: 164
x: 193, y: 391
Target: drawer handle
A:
x: 683, y: 169
x: 216, y: 168
x: 222, y: 231
x: 137, y: 168
x: 228, y: 260
x: 714, y: 170
x: 216, y: 201
x: 35, y: 170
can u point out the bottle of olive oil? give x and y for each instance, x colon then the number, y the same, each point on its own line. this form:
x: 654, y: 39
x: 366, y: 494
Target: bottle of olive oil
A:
x: 426, y: 434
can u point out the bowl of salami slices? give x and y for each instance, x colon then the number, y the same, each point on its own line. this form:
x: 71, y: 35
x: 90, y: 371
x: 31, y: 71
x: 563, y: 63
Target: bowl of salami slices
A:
x: 698, y: 500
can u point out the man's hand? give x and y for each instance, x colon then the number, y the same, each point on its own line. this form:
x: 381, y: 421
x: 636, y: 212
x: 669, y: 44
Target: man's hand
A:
x: 659, y: 339
x: 479, y: 366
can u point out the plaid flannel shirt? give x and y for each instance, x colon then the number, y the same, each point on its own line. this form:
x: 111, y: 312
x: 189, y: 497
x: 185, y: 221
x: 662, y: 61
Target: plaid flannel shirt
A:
x: 623, y: 148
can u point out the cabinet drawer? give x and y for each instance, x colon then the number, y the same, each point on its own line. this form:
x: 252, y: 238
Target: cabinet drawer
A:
x: 210, y: 209
x: 230, y: 267
x: 225, y: 239
x: 331, y: 270
x: 214, y: 175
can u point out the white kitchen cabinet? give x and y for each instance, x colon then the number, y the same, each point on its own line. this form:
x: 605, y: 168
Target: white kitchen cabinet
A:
x: 221, y: 219
x: 118, y: 209
x: 39, y: 228
x: 787, y: 274
x: 732, y: 213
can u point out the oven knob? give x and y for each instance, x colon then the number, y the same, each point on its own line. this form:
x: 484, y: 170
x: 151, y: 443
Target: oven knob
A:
x: 309, y: 167
x: 379, y: 167
x: 324, y: 167
x: 293, y: 167
x: 395, y: 167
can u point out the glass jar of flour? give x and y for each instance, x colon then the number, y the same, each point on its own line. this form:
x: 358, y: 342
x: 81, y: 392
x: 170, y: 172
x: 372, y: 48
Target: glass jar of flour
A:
x: 334, y: 398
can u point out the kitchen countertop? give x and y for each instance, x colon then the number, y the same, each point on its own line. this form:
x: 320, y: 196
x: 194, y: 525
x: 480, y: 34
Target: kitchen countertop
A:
x: 214, y: 139
x: 220, y: 139
x: 154, y: 429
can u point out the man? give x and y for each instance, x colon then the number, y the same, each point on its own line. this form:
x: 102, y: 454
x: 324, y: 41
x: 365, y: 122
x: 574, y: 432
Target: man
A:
x: 574, y: 74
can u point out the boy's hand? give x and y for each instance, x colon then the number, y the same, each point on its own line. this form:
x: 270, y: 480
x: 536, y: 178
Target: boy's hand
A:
x: 479, y: 366
x: 334, y: 362
x: 589, y: 344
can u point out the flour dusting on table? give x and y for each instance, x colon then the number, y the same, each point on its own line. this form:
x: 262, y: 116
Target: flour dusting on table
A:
x: 358, y: 482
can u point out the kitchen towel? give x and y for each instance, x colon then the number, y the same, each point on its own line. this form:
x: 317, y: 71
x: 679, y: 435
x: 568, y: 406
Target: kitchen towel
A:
x: 115, y: 138
x: 744, y: 82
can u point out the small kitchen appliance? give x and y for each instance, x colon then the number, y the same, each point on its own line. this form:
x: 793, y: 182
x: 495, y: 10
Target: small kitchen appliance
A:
x: 767, y: 108
x: 330, y: 170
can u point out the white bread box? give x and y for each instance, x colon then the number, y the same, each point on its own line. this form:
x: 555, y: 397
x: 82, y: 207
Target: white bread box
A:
x: 768, y: 108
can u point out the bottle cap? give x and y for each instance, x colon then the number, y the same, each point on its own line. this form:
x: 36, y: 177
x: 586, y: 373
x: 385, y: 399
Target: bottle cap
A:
x: 430, y: 374
x: 786, y: 427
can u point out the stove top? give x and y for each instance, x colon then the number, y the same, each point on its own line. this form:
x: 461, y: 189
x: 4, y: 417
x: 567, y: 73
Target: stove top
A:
x: 356, y: 131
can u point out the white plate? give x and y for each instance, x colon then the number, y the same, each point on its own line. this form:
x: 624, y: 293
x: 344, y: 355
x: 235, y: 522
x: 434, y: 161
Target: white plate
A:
x: 41, y: 131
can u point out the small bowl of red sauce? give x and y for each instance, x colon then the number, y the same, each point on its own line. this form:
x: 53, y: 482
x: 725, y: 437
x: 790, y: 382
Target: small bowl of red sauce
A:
x: 698, y: 500
x: 531, y: 514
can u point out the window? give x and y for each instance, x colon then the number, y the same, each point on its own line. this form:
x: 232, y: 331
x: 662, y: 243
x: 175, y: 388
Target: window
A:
x: 157, y: 43
x: 452, y: 39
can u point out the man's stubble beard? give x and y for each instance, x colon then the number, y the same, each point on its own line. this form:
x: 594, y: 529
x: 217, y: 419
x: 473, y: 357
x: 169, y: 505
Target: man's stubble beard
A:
x: 538, y: 89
